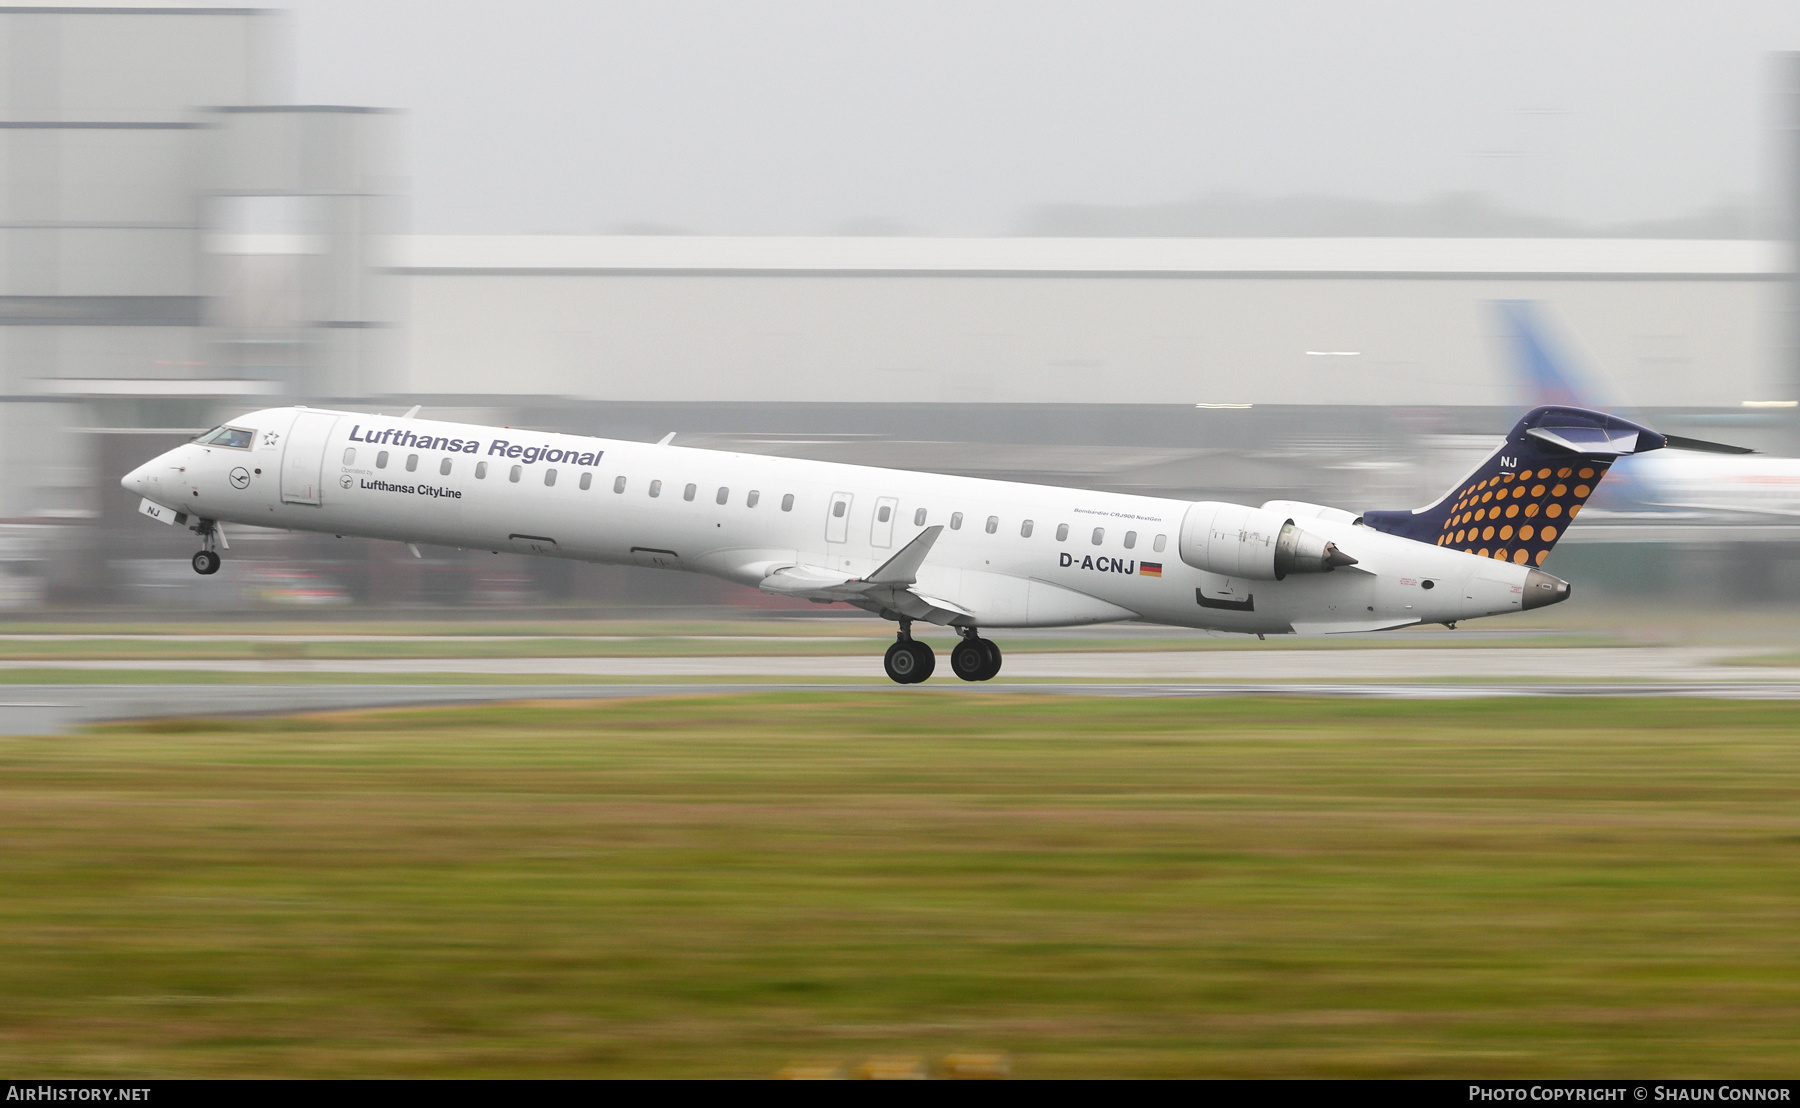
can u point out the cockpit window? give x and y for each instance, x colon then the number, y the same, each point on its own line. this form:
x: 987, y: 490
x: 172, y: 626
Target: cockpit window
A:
x: 235, y: 437
x: 206, y: 436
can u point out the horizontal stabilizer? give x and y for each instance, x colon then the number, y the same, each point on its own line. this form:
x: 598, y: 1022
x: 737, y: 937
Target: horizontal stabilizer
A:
x: 1680, y: 442
x: 1596, y: 441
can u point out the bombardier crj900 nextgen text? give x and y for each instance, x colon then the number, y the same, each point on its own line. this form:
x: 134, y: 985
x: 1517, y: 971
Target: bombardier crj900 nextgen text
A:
x: 961, y: 552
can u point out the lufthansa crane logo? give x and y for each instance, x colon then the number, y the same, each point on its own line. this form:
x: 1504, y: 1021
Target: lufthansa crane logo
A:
x: 240, y: 478
x: 346, y: 481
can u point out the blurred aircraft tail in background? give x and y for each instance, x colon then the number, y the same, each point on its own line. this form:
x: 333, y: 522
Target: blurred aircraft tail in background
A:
x: 1545, y: 373
x: 1547, y: 377
x: 1663, y: 484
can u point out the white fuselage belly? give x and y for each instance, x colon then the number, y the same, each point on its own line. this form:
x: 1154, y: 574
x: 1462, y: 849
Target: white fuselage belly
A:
x: 1003, y: 577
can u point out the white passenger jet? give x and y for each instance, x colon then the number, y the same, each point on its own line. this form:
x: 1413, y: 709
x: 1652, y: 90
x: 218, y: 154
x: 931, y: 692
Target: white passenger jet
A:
x: 960, y: 552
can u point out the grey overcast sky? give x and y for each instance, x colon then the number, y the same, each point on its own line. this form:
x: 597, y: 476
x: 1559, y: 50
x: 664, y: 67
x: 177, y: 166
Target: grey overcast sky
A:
x: 957, y: 118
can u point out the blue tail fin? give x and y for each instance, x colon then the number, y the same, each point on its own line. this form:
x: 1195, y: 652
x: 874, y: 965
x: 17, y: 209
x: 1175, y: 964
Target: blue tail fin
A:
x: 1546, y: 374
x: 1516, y: 503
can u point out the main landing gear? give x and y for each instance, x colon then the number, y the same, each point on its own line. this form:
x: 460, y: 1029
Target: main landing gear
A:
x: 206, y: 561
x: 909, y: 661
x: 974, y: 658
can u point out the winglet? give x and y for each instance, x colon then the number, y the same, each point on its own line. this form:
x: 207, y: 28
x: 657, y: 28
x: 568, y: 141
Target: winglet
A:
x: 903, y: 568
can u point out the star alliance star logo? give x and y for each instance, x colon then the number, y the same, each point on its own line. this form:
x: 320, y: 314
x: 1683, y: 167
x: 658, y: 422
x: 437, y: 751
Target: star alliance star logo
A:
x: 270, y: 438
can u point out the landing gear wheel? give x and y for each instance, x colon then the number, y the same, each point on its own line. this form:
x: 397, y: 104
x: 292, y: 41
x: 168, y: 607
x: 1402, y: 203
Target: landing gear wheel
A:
x: 206, y: 562
x: 927, y: 660
x: 992, y: 669
x: 969, y: 659
x: 908, y: 663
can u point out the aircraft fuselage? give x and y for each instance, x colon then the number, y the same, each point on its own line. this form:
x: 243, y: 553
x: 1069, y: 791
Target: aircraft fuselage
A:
x: 1009, y: 555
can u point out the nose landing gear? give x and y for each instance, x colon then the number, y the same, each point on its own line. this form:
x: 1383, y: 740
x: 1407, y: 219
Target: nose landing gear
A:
x: 975, y: 658
x: 206, y: 561
x: 909, y: 661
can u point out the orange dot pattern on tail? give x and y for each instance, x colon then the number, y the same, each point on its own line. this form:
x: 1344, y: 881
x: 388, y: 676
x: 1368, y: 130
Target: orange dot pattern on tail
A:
x: 1548, y: 492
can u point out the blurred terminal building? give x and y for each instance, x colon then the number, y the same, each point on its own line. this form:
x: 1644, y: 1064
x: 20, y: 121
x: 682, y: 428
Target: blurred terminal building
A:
x: 182, y: 244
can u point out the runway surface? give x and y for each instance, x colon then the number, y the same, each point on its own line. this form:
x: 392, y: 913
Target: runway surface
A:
x: 1650, y: 663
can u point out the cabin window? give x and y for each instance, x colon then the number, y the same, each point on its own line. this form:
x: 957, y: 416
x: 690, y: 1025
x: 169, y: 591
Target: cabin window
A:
x: 885, y: 513
x: 587, y: 481
x: 919, y: 518
x: 1025, y: 529
x: 1130, y: 539
x: 724, y: 495
x: 618, y: 484
x: 688, y: 493
x: 993, y: 524
x: 1099, y: 535
x: 480, y: 471
x: 549, y: 477
x: 517, y: 471
x: 955, y: 521
x: 1161, y: 541
x: 751, y: 497
x: 381, y: 460
x: 1062, y: 532
x: 349, y: 455
x: 787, y: 502
x: 656, y: 488
x: 412, y: 463
x: 839, y: 509
x: 444, y: 468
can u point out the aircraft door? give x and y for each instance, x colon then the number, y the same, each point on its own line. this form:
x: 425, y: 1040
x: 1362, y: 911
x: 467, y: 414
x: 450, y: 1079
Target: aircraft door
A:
x: 881, y: 532
x: 837, y: 522
x: 303, y: 458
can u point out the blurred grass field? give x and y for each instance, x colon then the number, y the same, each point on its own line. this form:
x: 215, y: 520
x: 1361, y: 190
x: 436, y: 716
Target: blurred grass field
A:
x: 725, y: 885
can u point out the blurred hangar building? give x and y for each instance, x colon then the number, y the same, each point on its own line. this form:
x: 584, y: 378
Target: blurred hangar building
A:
x: 182, y: 243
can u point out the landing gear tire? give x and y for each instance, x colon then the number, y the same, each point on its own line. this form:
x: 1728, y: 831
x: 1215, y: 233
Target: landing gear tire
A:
x: 909, y: 663
x: 206, y: 562
x: 927, y: 660
x: 992, y: 669
x: 975, y: 659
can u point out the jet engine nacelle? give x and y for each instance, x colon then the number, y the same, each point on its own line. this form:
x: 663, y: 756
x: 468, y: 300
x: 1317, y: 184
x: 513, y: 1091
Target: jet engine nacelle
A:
x: 1300, y: 509
x: 1235, y: 540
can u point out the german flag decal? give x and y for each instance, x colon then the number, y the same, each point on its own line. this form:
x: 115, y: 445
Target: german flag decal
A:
x: 1149, y: 569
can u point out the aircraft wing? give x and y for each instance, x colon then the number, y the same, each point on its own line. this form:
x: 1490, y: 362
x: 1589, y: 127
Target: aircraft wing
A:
x: 887, y: 591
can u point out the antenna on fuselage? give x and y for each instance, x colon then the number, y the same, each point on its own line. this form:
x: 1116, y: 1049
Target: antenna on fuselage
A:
x: 412, y: 411
x: 666, y: 439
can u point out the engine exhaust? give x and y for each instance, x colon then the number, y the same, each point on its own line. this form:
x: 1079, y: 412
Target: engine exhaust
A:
x: 1298, y: 551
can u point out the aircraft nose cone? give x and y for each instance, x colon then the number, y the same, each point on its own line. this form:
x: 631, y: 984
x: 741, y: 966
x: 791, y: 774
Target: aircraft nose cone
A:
x: 1542, y: 590
x: 135, y: 481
